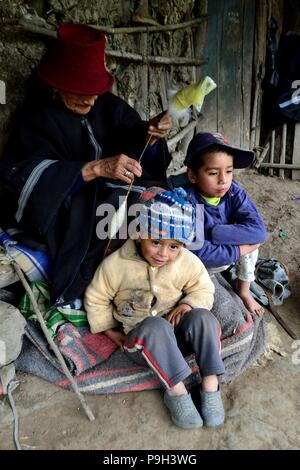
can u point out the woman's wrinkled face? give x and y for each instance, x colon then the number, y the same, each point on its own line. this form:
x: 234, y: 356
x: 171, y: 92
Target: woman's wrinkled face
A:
x: 79, y: 104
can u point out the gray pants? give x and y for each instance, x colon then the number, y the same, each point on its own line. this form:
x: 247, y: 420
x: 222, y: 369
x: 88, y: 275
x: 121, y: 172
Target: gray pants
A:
x: 162, y: 347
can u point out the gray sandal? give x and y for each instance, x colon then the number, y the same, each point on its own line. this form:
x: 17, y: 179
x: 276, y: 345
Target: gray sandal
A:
x: 183, y: 411
x: 211, y: 408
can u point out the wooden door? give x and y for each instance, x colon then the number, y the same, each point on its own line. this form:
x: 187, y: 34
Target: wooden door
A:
x: 229, y: 46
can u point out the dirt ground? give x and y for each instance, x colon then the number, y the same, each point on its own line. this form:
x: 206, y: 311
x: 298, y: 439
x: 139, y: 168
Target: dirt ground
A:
x: 262, y: 406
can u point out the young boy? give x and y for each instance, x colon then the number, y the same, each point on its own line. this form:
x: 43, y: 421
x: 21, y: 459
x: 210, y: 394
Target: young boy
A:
x: 160, y: 294
x: 233, y: 227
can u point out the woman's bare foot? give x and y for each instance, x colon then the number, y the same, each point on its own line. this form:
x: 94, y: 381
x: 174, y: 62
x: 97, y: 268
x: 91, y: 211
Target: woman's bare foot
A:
x: 251, y: 304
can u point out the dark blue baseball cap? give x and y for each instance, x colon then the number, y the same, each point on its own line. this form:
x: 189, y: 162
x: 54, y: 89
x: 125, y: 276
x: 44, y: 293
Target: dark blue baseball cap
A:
x: 202, y: 141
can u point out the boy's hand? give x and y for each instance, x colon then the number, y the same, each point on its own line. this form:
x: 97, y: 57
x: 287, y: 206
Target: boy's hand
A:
x: 116, y: 336
x: 177, y: 313
x: 246, y: 249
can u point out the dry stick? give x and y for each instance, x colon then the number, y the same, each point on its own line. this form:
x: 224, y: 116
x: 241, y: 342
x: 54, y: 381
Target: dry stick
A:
x: 264, y: 149
x: 286, y: 166
x: 152, y: 29
x: 55, y: 349
x: 122, y: 54
x: 262, y: 156
x: 32, y: 26
x: 182, y: 133
x: 156, y: 59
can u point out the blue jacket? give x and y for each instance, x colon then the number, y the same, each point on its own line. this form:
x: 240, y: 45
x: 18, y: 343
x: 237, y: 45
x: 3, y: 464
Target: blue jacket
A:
x: 235, y: 221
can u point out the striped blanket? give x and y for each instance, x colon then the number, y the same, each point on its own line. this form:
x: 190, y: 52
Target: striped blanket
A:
x: 114, y: 371
x: 98, y: 367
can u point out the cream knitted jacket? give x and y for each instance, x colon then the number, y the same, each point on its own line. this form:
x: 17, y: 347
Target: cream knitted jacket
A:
x: 126, y: 289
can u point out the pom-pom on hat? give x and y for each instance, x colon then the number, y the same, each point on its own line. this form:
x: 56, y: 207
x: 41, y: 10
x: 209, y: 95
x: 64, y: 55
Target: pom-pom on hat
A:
x: 202, y: 141
x: 76, y: 62
x: 167, y: 215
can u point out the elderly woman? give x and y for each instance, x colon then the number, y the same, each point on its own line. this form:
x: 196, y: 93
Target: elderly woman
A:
x: 72, y: 148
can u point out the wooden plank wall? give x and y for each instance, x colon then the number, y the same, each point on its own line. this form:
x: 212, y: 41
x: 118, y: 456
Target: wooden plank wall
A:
x: 260, y: 35
x: 210, y: 50
x: 229, y: 47
x: 247, y: 70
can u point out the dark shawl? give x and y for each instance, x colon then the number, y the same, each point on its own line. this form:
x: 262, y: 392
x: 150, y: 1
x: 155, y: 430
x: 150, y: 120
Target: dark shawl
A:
x: 53, y: 215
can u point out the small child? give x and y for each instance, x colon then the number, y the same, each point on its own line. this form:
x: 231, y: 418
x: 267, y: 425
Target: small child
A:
x: 152, y: 298
x: 233, y: 227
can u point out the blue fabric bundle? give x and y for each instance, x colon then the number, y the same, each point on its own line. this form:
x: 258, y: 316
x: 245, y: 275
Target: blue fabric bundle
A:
x: 35, y: 264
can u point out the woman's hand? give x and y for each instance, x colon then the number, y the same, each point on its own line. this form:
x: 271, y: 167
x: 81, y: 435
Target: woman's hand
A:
x: 159, y: 127
x: 177, y: 313
x: 119, y: 167
x: 116, y: 336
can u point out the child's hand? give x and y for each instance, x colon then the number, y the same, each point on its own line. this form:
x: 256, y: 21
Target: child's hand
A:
x: 246, y: 249
x: 177, y: 313
x: 116, y: 336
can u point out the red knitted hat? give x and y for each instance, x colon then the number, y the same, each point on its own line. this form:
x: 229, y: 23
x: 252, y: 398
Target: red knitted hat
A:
x: 76, y: 63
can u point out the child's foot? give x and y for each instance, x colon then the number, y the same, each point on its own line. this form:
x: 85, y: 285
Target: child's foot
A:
x: 211, y: 408
x: 183, y: 411
x: 251, y: 304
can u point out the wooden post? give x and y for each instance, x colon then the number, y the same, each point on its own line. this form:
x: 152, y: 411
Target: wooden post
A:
x: 283, y: 149
x: 272, y: 151
x: 296, y: 152
x: 255, y: 111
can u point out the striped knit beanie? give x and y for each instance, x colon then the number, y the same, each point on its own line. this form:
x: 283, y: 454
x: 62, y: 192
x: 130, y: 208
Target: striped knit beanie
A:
x: 167, y: 215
